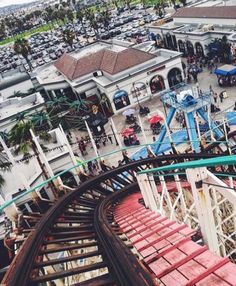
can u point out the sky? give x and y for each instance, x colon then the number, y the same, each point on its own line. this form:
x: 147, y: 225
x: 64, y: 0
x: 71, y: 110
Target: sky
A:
x: 11, y: 2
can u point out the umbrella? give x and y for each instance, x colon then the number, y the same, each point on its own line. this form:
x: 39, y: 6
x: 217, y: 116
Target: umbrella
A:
x: 155, y: 119
x: 128, y: 112
x: 127, y: 131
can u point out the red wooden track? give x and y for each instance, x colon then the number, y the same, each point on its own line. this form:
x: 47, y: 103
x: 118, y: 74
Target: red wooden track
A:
x: 167, y: 249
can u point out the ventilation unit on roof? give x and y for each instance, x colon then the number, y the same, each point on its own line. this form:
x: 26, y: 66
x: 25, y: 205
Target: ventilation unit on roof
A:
x: 98, y: 73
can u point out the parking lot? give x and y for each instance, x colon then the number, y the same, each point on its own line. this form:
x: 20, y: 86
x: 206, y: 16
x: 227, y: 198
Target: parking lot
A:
x: 48, y: 46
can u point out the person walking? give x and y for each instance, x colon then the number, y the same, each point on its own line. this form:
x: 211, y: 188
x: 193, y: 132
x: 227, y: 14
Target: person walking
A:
x: 215, y: 97
x: 221, y: 97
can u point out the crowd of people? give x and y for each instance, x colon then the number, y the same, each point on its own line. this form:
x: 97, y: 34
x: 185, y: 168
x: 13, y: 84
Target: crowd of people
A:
x: 196, y: 64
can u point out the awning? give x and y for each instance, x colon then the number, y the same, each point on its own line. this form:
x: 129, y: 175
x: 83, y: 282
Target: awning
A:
x: 119, y: 94
x: 226, y: 70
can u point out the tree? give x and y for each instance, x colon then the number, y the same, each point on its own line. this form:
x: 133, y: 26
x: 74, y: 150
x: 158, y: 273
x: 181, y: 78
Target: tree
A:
x: 40, y: 119
x: 105, y: 19
x: 21, y: 46
x: 144, y: 2
x: 127, y: 2
x: 20, y: 137
x: 80, y: 105
x: 90, y: 16
x: 183, y: 2
x: 115, y: 2
x: 5, y: 165
x: 57, y: 103
x: 2, y: 30
x: 80, y: 14
x: 70, y: 15
x: 68, y: 37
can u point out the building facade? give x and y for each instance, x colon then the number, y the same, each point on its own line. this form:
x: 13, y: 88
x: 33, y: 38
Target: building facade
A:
x: 194, y: 28
x: 113, y: 75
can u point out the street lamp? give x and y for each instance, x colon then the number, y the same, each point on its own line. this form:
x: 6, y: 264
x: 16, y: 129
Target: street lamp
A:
x: 135, y: 92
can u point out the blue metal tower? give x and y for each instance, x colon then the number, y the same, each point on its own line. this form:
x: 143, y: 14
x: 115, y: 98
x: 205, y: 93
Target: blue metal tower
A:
x: 187, y: 99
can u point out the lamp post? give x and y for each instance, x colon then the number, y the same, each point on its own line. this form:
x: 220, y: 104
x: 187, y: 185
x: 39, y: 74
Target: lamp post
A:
x: 135, y: 91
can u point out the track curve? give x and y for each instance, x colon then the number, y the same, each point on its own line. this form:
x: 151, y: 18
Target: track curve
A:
x: 80, y: 224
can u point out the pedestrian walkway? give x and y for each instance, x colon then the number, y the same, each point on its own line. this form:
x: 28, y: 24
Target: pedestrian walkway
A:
x: 205, y: 80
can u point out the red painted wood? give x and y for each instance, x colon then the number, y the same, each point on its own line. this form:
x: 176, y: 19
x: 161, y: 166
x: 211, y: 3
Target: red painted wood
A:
x: 181, y: 261
x: 168, y: 251
x: 156, y: 230
x: 207, y: 272
x: 163, y: 237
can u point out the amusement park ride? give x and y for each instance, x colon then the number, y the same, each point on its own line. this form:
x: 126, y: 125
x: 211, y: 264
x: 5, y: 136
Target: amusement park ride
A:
x: 193, y: 104
x: 165, y: 219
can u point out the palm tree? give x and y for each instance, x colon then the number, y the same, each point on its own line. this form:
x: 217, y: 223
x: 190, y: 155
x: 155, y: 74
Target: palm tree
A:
x: 115, y: 2
x: 80, y: 14
x: 5, y: 165
x: 90, y: 16
x: 21, y: 46
x: 5, y: 136
x: 57, y: 103
x: 21, y: 116
x: 183, y: 2
x: 80, y: 105
x: 105, y: 19
x: 127, y: 2
x: 20, y: 137
x: 40, y: 119
x: 144, y: 2
x: 70, y: 15
x: 68, y: 37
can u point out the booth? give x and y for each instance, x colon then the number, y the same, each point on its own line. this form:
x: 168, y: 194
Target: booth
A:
x: 226, y: 75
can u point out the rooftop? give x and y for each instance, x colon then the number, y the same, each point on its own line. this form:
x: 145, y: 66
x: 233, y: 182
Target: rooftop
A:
x: 219, y: 12
x: 12, y: 106
x: 110, y: 60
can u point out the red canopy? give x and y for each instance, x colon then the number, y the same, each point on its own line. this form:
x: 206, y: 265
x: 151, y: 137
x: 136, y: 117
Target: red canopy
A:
x: 155, y: 119
x: 127, y: 131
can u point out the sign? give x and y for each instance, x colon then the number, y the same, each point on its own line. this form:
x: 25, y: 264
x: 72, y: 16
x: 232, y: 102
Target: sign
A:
x: 156, y: 69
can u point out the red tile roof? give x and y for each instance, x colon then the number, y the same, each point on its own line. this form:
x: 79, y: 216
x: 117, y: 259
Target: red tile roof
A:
x: 106, y: 60
x: 221, y: 12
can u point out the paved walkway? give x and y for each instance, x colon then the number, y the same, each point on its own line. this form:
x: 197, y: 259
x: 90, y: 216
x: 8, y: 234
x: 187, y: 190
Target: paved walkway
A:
x: 205, y: 79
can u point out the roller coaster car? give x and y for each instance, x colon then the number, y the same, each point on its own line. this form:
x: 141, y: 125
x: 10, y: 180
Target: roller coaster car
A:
x: 189, y: 100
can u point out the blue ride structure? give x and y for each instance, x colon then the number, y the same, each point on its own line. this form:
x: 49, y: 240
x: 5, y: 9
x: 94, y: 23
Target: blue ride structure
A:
x: 187, y: 99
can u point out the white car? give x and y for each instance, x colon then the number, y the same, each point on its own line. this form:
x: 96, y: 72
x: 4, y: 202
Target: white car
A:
x: 129, y: 28
x: 124, y: 29
x: 135, y: 24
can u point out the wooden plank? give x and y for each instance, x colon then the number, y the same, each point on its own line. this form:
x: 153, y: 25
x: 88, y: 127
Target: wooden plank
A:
x: 69, y: 272
x: 68, y: 247
x: 207, y: 272
x: 103, y: 280
x: 67, y: 259
x: 162, y: 237
x: 181, y: 261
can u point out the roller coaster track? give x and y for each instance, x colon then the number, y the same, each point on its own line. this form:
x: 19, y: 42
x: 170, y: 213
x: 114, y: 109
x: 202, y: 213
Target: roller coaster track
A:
x: 80, y: 225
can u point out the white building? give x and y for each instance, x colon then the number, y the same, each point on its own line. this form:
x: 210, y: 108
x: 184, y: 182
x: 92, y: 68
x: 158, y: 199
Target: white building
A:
x: 14, y: 82
x: 193, y: 28
x: 10, y: 108
x: 120, y: 72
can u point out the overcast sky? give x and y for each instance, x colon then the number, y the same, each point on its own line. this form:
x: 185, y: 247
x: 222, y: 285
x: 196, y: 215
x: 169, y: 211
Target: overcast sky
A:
x: 11, y: 2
